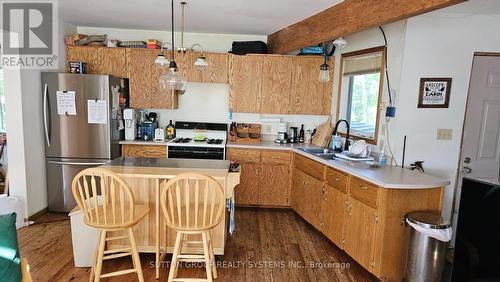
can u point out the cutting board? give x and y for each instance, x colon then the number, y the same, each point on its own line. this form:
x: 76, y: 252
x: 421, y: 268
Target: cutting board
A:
x: 323, y: 133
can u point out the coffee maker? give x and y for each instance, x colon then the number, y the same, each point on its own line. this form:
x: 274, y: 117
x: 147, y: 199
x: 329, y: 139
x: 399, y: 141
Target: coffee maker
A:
x: 282, y: 133
x: 294, y: 136
x: 130, y: 124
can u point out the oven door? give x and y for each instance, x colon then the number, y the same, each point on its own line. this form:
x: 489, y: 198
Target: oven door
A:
x: 184, y: 152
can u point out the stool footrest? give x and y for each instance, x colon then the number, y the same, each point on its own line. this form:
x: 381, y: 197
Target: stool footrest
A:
x: 113, y: 251
x: 192, y: 260
x: 189, y: 279
x: 116, y: 238
x: 118, y: 255
x: 190, y: 256
x: 116, y: 273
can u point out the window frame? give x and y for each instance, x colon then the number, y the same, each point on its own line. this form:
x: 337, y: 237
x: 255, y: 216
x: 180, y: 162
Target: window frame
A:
x: 383, y: 50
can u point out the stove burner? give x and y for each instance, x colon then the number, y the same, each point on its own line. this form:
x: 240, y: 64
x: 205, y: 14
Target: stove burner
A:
x: 182, y: 140
x: 214, y: 141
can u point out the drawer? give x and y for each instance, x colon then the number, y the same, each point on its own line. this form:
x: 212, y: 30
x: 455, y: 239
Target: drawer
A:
x: 309, y: 166
x: 275, y: 157
x: 364, y: 191
x: 144, y: 151
x: 243, y: 155
x: 337, y: 179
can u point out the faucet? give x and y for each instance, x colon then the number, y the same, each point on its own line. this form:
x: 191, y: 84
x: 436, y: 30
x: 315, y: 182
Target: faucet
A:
x: 346, y: 143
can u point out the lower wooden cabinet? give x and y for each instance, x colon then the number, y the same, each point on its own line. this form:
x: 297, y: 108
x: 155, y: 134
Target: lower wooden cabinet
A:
x: 333, y: 208
x: 306, y: 196
x: 265, y: 177
x: 247, y: 192
x: 144, y: 151
x: 360, y: 228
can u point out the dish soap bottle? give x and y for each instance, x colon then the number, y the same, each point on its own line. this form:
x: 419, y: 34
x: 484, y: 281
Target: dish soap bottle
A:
x: 170, y: 130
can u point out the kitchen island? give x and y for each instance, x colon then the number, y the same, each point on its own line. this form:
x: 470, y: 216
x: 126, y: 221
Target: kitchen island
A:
x: 145, y: 177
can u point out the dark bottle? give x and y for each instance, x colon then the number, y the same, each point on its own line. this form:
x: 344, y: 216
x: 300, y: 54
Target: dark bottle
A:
x: 170, y: 130
x: 301, y: 134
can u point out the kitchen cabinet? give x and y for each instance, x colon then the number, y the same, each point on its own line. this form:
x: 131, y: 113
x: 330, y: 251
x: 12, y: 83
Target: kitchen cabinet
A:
x: 247, y: 192
x: 245, y: 77
x: 333, y: 207
x: 308, y: 95
x: 218, y: 68
x: 360, y: 232
x: 276, y: 83
x: 306, y: 191
x: 144, y: 151
x: 100, y: 60
x: 265, y: 177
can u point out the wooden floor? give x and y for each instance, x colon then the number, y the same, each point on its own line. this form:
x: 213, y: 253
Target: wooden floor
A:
x: 268, y: 245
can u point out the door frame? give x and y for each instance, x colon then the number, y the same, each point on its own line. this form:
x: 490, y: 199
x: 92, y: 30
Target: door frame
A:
x: 458, y: 178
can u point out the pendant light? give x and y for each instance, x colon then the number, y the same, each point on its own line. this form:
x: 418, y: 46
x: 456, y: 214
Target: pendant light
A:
x: 201, y: 62
x: 173, y: 79
x: 324, y: 69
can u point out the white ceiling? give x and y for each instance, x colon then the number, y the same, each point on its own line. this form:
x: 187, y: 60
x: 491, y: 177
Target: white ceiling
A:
x: 253, y: 17
x: 474, y: 7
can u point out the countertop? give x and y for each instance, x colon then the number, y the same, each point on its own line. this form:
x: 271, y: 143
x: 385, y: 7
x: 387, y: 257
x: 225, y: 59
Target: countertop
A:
x: 166, y: 168
x: 140, y: 142
x: 386, y: 176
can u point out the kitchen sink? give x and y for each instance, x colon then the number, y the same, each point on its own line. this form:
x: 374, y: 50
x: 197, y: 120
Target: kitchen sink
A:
x: 327, y: 156
x: 315, y: 151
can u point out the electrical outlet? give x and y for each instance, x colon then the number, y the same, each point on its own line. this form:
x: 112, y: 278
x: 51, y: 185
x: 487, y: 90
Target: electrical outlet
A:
x: 444, y: 134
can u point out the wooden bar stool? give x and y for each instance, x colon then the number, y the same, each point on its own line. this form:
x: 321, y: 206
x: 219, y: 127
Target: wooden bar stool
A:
x: 108, y: 204
x: 192, y: 204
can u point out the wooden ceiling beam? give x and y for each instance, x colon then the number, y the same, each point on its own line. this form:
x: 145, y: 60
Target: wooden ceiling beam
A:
x: 346, y: 18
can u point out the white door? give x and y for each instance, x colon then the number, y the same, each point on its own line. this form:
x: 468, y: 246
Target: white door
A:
x: 481, y: 140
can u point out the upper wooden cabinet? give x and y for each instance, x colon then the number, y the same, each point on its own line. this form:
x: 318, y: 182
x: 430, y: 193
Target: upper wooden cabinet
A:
x: 216, y: 72
x: 276, y: 83
x: 100, y: 60
x: 245, y: 74
x: 308, y: 95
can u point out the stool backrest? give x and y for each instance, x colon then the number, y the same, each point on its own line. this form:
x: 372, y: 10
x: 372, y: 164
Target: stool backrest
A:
x: 104, y: 198
x: 192, y: 201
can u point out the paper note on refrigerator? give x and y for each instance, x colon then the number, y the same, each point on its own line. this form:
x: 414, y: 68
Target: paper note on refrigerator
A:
x: 97, y: 111
x: 66, y: 104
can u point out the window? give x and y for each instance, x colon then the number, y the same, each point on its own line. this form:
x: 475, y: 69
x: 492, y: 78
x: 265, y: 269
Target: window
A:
x: 2, y: 103
x: 360, y: 91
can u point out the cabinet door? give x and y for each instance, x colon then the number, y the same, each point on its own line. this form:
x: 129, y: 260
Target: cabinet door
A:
x: 218, y: 68
x: 113, y: 61
x: 309, y: 96
x: 90, y: 55
x: 143, y: 77
x: 247, y: 192
x: 144, y: 151
x: 273, y: 186
x: 332, y: 214
x: 360, y: 232
x: 245, y: 73
x: 298, y: 191
x: 276, y: 83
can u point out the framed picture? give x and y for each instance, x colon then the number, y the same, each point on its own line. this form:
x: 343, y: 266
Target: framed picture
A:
x: 434, y: 92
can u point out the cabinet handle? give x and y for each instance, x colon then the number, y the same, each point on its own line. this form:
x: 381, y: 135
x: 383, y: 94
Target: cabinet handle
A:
x: 325, y: 195
x: 336, y: 179
x: 363, y: 187
x: 275, y: 157
x: 296, y: 99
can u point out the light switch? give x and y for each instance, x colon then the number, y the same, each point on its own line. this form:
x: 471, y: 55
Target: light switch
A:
x: 444, y: 134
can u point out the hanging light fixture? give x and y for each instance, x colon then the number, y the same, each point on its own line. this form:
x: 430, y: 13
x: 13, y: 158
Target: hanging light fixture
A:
x: 340, y: 42
x: 161, y: 59
x: 201, y: 62
x: 173, y: 79
x: 324, y: 69
x: 182, y: 49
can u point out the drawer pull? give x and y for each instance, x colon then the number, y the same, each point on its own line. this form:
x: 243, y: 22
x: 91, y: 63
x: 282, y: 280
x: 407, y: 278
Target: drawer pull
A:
x: 363, y: 187
x: 275, y: 157
x: 336, y: 179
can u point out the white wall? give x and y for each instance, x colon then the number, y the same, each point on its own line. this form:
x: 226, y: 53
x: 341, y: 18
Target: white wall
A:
x: 440, y: 45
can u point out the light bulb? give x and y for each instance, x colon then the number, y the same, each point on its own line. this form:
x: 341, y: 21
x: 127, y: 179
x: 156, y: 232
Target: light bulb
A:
x: 324, y: 74
x: 173, y: 80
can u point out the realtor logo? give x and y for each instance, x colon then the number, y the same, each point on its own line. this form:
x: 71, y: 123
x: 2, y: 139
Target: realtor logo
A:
x: 29, y: 34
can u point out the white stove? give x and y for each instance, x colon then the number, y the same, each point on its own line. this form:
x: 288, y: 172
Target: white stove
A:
x: 195, y: 140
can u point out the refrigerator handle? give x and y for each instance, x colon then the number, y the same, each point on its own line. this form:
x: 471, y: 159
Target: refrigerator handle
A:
x: 46, y: 116
x: 77, y: 163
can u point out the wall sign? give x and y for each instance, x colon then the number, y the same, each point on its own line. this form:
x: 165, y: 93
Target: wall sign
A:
x: 434, y: 93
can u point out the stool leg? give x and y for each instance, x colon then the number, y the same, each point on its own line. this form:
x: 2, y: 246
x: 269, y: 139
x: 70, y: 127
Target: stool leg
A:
x: 212, y: 256
x: 100, y: 255
x: 135, y: 256
x: 172, y: 274
x: 208, y: 267
x: 94, y: 259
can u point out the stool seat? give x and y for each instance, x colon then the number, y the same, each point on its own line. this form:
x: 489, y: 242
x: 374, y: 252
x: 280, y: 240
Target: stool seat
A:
x: 140, y: 211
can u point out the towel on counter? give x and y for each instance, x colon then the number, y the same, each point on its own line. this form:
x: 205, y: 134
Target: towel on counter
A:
x: 231, y: 209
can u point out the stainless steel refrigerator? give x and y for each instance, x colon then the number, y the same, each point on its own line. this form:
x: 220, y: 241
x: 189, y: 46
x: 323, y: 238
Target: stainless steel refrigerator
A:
x: 71, y: 142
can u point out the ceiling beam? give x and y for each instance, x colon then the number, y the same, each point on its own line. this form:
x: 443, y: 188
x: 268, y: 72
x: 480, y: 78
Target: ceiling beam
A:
x: 346, y: 18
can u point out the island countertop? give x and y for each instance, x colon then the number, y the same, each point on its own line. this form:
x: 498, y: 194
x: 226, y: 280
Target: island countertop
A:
x: 166, y: 168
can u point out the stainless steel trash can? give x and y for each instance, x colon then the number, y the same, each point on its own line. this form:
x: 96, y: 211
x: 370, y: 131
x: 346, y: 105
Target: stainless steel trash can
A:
x: 426, y: 255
